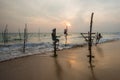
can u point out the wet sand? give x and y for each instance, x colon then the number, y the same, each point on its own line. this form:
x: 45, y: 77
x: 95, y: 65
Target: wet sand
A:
x: 71, y: 64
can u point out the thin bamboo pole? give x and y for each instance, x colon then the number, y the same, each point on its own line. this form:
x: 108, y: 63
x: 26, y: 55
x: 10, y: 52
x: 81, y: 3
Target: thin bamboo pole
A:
x: 25, y: 37
x: 90, y: 39
x: 19, y: 35
x: 5, y: 35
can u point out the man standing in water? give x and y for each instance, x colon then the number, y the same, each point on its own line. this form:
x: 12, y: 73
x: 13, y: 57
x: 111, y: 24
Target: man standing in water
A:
x: 98, y: 37
x: 55, y: 40
x: 54, y: 37
x: 66, y: 33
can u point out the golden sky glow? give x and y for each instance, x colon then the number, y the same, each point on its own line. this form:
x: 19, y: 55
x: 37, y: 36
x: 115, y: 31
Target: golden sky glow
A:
x: 68, y: 24
x: 48, y: 14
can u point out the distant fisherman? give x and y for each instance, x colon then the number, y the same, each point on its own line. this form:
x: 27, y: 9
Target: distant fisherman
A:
x: 98, y: 37
x: 66, y: 33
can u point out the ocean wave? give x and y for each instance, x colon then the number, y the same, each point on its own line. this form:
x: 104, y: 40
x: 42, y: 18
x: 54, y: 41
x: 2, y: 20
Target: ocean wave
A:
x: 16, y: 50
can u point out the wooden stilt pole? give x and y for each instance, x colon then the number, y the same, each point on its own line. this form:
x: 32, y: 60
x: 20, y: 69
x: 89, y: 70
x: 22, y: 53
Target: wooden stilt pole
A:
x: 54, y: 48
x: 19, y: 34
x: 25, y: 37
x: 54, y: 43
x: 5, y: 35
x: 90, y: 39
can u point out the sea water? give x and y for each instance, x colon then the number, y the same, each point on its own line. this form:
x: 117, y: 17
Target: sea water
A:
x: 38, y: 43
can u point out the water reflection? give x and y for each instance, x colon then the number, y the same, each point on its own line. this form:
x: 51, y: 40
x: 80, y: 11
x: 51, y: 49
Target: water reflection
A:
x: 64, y: 67
x: 100, y: 51
x: 58, y: 69
x: 91, y: 66
x: 92, y: 71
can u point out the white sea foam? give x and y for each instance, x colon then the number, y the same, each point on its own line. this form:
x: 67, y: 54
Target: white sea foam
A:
x: 15, y: 50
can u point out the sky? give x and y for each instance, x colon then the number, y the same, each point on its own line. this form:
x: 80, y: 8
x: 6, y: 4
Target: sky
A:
x: 48, y: 14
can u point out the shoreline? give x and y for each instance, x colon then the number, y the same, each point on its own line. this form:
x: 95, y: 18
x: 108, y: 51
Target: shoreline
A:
x: 70, y: 64
x: 44, y: 53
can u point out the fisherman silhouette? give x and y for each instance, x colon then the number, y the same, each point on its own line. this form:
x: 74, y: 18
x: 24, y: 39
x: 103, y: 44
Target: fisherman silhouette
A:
x: 98, y: 37
x: 55, y: 40
x: 65, y: 33
x: 54, y: 37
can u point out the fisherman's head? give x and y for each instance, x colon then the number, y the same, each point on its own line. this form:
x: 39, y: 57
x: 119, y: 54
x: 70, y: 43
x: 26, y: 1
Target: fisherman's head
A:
x: 54, y: 30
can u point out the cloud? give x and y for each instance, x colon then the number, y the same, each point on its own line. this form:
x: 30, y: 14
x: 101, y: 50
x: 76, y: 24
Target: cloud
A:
x: 47, y: 13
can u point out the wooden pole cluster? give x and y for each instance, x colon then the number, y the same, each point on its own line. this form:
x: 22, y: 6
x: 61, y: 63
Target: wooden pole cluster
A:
x: 5, y: 35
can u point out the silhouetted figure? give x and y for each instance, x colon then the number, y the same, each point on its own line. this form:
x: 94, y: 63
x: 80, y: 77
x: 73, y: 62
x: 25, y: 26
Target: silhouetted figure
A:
x: 54, y: 37
x: 65, y: 33
x: 98, y: 37
x: 55, y: 40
